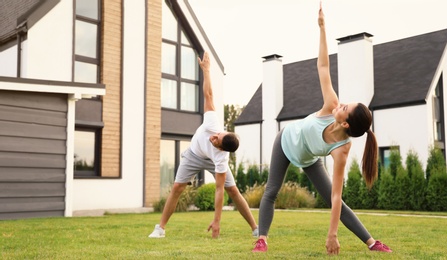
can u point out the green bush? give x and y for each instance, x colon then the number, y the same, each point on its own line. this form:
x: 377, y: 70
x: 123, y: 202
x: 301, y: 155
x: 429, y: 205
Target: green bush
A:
x: 386, y: 191
x: 241, y: 179
x: 206, y: 193
x: 351, y: 193
x: 437, y: 192
x: 253, y: 175
x: 185, y: 200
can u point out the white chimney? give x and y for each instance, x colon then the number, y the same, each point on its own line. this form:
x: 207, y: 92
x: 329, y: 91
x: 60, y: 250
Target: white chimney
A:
x: 272, y: 102
x: 356, y: 69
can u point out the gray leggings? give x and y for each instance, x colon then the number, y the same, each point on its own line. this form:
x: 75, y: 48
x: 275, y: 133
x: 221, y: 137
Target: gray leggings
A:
x: 319, y: 178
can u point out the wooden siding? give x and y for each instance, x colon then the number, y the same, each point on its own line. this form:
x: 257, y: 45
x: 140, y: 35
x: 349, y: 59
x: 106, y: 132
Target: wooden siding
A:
x: 32, y: 154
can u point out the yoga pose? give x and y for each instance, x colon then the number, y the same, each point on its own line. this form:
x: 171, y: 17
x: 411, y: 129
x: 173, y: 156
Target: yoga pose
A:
x: 328, y: 131
x: 209, y: 150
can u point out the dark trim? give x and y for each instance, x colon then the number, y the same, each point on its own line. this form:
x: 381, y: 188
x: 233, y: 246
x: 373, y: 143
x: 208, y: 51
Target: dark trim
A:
x: 89, y: 124
x: 399, y: 105
x: 249, y: 122
x: 120, y: 170
x: 51, y: 82
x: 146, y: 17
x: 354, y: 37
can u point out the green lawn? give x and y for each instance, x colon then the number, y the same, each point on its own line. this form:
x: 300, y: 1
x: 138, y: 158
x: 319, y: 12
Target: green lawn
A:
x: 293, y: 235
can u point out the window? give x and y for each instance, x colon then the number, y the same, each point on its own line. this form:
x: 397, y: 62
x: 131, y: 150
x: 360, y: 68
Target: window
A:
x: 180, y: 70
x: 384, y: 154
x: 438, y: 115
x: 86, y: 69
x: 170, y: 155
x: 86, y: 152
x: 87, y: 41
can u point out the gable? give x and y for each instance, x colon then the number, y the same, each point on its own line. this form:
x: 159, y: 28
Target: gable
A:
x: 404, y: 69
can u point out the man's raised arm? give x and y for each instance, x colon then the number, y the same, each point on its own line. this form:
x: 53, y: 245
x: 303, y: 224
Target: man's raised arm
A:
x: 207, y: 88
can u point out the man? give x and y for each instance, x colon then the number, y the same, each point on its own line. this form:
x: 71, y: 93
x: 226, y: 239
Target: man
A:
x: 209, y: 150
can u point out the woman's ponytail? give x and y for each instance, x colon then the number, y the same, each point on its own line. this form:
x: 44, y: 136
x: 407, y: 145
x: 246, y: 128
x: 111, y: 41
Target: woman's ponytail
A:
x: 369, y: 161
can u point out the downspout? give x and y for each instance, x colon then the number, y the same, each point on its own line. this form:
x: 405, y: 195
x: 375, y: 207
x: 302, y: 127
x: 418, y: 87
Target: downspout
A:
x: 260, y: 147
x: 21, y: 29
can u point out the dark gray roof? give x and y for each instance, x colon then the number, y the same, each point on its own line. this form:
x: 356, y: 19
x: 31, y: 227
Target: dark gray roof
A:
x: 403, y: 72
x: 404, y: 69
x: 14, y: 13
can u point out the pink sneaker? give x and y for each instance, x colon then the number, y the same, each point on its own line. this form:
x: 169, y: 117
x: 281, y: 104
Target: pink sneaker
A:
x: 260, y: 246
x: 378, y: 246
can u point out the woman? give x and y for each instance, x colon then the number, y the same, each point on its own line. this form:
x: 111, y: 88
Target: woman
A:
x: 325, y: 132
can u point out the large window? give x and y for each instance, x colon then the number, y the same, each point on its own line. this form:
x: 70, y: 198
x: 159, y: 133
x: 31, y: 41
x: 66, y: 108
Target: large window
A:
x: 180, y: 70
x: 170, y: 154
x: 86, y: 152
x: 86, y: 69
x: 87, y: 41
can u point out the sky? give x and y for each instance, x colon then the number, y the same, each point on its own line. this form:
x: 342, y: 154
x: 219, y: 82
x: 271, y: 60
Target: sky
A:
x: 244, y: 31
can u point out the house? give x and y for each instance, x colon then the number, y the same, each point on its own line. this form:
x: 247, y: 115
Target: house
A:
x: 402, y: 82
x: 97, y: 100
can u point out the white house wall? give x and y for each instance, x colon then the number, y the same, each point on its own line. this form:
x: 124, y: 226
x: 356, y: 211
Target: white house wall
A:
x: 48, y: 53
x: 249, y: 149
x: 8, y: 62
x: 126, y: 192
x: 404, y: 127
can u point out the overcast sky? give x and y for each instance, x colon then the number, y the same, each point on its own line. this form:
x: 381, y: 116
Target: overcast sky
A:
x: 244, y: 31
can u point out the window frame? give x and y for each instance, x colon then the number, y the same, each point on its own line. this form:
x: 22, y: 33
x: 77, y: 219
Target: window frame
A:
x: 84, y: 59
x: 178, y: 70
x: 96, y: 173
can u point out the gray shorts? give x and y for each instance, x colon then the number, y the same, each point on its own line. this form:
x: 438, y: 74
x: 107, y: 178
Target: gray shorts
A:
x: 191, y: 164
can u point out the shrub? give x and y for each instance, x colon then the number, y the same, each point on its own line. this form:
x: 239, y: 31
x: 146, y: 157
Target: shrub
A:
x: 437, y: 192
x: 293, y: 196
x: 185, y: 200
x: 386, y: 191
x: 435, y: 162
x: 403, y: 190
x: 351, y: 193
x: 206, y: 193
x: 253, y: 175
x: 369, y: 197
x: 253, y: 195
x: 241, y: 179
x: 320, y: 202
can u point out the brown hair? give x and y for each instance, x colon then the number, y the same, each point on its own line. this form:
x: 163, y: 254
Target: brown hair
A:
x: 359, y: 123
x: 230, y: 142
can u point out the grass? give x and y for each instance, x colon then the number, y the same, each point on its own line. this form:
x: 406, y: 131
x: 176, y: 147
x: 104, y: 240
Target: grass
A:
x: 294, y: 235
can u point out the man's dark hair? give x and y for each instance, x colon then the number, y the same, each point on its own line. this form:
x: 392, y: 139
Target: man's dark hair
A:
x: 230, y: 142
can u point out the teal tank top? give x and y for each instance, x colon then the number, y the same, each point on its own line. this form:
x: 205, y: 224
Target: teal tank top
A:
x: 302, y: 141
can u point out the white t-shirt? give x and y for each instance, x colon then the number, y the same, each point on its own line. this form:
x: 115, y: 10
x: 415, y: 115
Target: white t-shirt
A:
x: 202, y: 146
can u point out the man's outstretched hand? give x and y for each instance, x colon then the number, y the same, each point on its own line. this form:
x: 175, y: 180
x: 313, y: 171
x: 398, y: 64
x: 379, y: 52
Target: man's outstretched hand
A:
x: 215, y: 227
x: 205, y: 62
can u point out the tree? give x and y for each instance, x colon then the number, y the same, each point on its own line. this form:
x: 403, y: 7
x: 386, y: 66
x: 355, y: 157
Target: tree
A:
x: 351, y: 192
x: 241, y: 179
x: 231, y: 113
x: 395, y: 161
x: 403, y: 190
x: 253, y: 176
x: 264, y: 174
x: 435, y: 162
x: 436, y: 191
x: 386, y: 191
x: 418, y: 185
